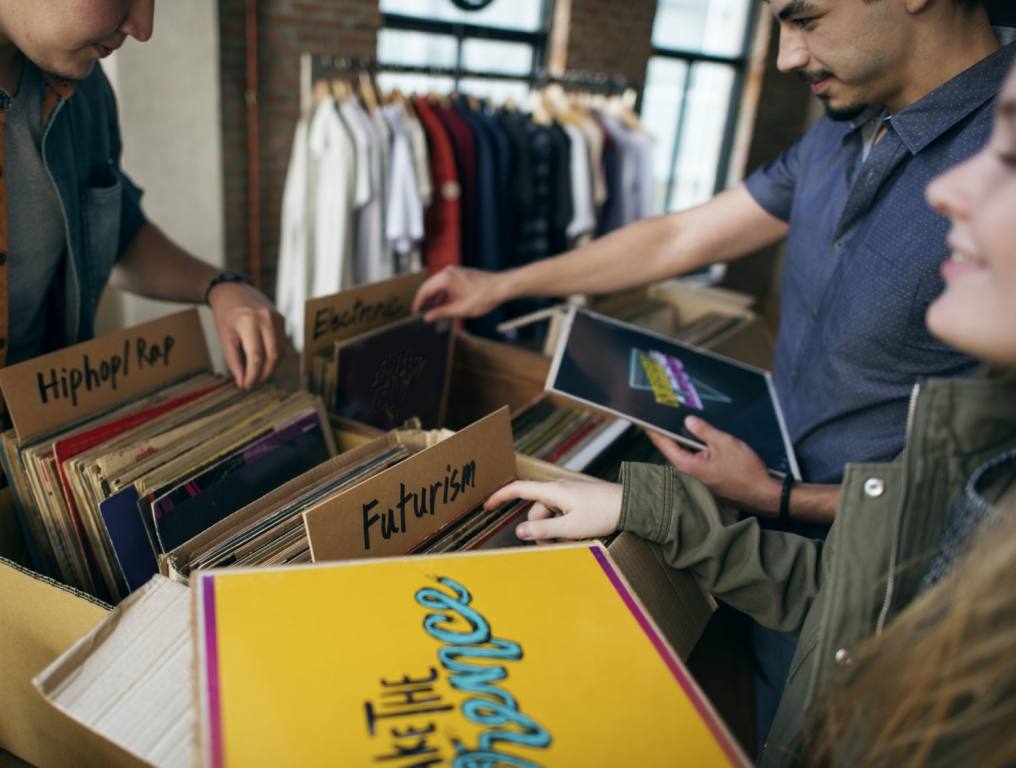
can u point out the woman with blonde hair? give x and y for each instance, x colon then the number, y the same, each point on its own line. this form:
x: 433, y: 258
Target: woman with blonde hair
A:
x: 905, y: 625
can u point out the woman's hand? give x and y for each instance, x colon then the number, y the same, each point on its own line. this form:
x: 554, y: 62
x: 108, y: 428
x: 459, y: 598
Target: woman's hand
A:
x: 564, y: 509
x: 731, y: 469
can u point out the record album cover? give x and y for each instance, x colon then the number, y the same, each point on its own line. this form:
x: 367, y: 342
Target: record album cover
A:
x: 465, y: 660
x: 400, y: 371
x: 658, y: 382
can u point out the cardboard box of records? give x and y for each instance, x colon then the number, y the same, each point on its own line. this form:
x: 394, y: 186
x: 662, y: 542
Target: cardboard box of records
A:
x: 368, y: 333
x: 404, y: 493
x: 372, y: 362
x: 563, y: 433
x: 148, y: 390
x: 716, y: 319
x: 407, y: 492
x: 121, y: 448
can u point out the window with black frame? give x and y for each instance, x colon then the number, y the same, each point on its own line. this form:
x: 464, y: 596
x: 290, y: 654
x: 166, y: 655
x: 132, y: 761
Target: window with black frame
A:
x: 490, y: 52
x: 692, y: 93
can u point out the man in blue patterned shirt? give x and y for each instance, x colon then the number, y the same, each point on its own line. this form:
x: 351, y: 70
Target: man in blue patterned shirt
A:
x: 908, y: 88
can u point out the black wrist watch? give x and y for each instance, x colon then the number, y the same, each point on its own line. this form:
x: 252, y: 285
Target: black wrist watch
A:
x: 226, y: 277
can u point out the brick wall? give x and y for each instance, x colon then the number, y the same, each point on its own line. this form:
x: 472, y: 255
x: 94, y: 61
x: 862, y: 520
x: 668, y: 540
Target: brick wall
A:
x: 611, y: 36
x: 286, y: 28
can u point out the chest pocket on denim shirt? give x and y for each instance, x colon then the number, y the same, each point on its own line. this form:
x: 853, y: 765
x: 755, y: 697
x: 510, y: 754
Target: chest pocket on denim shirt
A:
x: 875, y: 305
x: 102, y: 230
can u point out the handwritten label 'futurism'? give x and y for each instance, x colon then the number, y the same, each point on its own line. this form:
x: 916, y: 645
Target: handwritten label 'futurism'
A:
x: 428, y: 502
x: 475, y: 661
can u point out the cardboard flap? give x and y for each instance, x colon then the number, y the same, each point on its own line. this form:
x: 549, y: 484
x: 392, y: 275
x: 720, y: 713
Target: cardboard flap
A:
x: 40, y: 621
x: 128, y: 679
x: 399, y: 508
x: 83, y: 380
x: 358, y: 310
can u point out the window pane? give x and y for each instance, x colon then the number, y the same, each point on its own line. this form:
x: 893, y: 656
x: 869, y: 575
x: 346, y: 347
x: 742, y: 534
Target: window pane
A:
x: 661, y: 111
x: 709, y: 26
x: 508, y: 14
x: 702, y: 137
x: 396, y: 46
x: 497, y: 90
x: 496, y: 56
x: 409, y: 83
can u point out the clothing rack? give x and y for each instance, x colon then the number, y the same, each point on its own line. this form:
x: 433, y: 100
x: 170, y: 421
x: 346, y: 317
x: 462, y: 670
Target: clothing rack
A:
x: 315, y: 66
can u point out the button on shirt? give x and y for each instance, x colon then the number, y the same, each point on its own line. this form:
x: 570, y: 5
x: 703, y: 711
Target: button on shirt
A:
x: 862, y: 264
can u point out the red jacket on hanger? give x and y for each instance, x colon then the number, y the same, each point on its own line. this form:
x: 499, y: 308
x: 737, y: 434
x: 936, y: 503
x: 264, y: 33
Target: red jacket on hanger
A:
x: 442, y: 242
x: 464, y: 148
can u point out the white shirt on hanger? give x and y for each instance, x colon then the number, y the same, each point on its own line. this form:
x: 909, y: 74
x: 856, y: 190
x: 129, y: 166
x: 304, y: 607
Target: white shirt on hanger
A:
x: 292, y: 280
x: 645, y: 181
x: 385, y: 266
x: 361, y: 143
x: 404, y: 225
x: 583, y: 217
x: 594, y: 137
x: 333, y: 153
x: 369, y: 220
x: 421, y: 157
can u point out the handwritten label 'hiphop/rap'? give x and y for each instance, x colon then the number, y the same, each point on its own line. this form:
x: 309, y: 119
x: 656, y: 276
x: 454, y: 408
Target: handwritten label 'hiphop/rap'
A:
x: 66, y: 383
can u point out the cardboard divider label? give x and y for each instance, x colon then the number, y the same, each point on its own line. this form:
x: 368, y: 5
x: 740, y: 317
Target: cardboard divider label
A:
x: 50, y: 391
x: 398, y: 509
x: 358, y: 310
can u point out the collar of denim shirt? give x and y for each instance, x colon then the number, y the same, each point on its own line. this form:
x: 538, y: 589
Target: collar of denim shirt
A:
x: 926, y: 119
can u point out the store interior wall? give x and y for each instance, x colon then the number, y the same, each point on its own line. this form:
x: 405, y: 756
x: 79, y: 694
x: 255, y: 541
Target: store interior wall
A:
x: 182, y: 110
x: 286, y: 28
x: 168, y: 94
x: 604, y: 36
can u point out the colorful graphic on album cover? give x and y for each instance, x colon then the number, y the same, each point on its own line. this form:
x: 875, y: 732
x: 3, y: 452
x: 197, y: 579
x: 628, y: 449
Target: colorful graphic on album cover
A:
x: 662, y: 382
x: 457, y: 660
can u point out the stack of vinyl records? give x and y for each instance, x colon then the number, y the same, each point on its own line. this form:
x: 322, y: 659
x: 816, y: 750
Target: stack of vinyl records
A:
x: 708, y: 329
x: 102, y: 498
x: 579, y: 440
x: 271, y: 530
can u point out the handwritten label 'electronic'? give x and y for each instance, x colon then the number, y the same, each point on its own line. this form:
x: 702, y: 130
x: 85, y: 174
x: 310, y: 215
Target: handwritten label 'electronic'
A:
x: 331, y: 321
x: 349, y: 313
x: 92, y: 374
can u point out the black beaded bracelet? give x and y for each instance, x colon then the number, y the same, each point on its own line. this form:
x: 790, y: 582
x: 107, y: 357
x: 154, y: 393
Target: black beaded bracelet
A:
x: 226, y: 277
x: 788, y: 484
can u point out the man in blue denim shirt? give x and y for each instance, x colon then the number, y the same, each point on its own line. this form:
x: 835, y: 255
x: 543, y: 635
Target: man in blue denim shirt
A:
x: 70, y: 219
x: 908, y: 87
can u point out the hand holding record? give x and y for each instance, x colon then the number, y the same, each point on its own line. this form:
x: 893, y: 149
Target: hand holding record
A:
x: 564, y: 509
x: 728, y: 466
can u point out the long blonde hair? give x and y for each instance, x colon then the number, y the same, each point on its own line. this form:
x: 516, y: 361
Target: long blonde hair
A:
x: 938, y: 687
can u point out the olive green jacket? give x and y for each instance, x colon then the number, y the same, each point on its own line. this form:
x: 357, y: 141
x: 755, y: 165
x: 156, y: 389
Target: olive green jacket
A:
x: 837, y: 593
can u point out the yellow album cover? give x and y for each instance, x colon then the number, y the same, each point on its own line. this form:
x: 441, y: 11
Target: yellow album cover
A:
x: 528, y: 657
